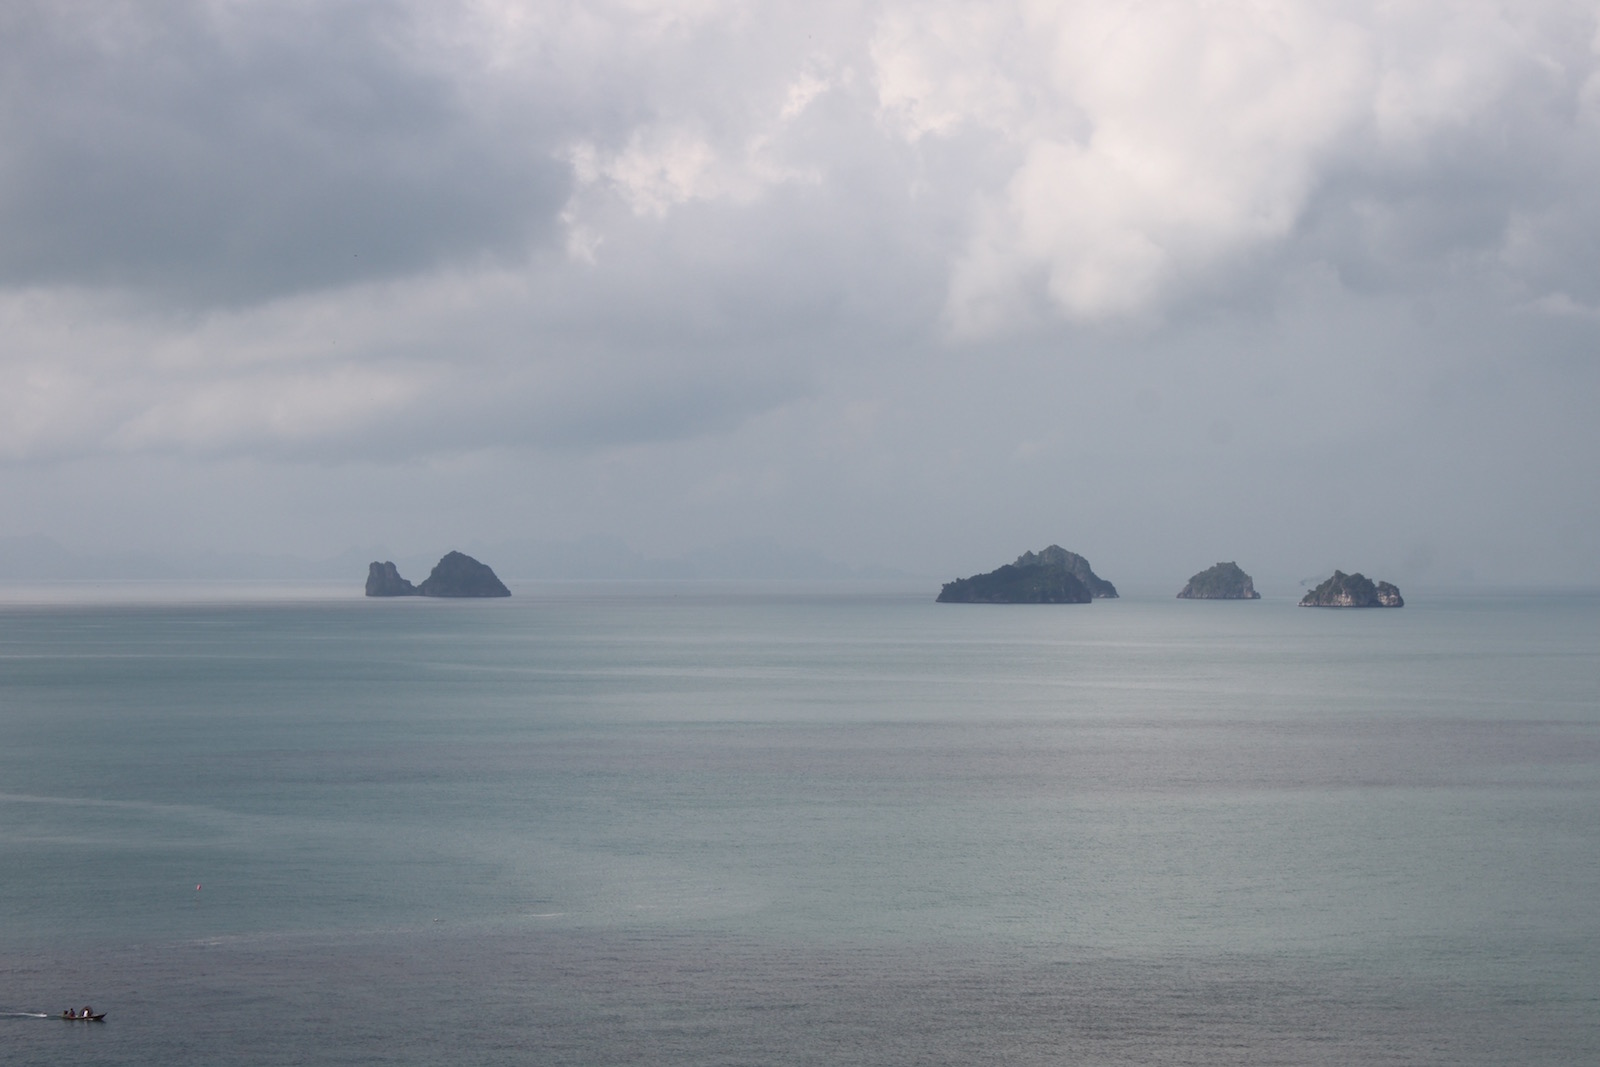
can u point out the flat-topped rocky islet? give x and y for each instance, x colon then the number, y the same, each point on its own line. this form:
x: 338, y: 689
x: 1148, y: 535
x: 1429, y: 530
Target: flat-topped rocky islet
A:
x: 455, y: 575
x: 1353, y: 591
x: 1222, y: 581
x: 1051, y: 576
x: 383, y: 579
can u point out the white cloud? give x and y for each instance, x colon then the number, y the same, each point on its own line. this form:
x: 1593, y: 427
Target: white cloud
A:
x: 1154, y: 145
x: 1562, y: 305
x: 665, y: 164
x: 275, y: 410
x: 657, y: 170
x: 288, y: 374
x: 562, y: 200
x: 940, y: 67
x: 1156, y: 141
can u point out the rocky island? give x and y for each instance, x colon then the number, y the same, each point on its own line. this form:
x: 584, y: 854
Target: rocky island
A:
x: 1056, y: 556
x: 1223, y: 581
x: 1052, y: 576
x: 456, y: 575
x: 383, y: 579
x: 1353, y: 591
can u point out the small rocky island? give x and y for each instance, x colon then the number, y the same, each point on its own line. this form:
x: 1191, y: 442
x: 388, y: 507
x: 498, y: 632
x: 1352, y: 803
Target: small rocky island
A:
x: 1223, y: 581
x: 383, y: 579
x: 1353, y: 591
x: 1052, y: 576
x: 456, y: 575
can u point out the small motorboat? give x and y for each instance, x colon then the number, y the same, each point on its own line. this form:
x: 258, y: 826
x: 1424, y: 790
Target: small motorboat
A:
x: 82, y: 1017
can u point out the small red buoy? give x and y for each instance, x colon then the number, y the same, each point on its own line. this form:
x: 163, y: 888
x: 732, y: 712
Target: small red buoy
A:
x: 197, y: 889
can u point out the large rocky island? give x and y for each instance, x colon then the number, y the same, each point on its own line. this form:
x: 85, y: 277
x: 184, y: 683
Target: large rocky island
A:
x: 1051, y: 576
x: 456, y: 575
x: 1056, y: 556
x: 1353, y: 591
x: 1223, y: 581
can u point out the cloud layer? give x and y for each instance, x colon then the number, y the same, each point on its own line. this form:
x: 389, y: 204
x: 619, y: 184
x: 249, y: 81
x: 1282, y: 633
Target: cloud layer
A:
x: 399, y: 233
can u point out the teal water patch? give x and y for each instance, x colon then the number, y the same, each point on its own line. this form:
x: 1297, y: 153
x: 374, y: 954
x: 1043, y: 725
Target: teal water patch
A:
x: 696, y: 819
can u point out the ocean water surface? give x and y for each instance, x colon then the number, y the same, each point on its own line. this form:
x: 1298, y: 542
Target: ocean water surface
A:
x: 679, y: 823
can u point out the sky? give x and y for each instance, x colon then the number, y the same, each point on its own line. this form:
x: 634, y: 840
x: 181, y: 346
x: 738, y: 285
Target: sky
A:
x: 908, y: 285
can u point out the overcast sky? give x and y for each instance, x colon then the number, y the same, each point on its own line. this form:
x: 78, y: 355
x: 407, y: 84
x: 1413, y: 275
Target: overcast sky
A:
x: 924, y: 285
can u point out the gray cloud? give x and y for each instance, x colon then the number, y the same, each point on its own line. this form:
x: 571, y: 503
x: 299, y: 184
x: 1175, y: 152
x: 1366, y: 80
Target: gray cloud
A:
x: 905, y: 283
x: 239, y: 152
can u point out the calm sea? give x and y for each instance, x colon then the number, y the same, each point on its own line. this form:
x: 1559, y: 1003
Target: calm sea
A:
x: 767, y: 824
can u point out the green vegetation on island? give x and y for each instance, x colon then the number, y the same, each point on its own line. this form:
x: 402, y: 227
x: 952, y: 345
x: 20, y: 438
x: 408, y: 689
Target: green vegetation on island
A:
x: 1011, y: 584
x: 1056, y: 556
x: 1051, y: 576
x: 1353, y: 591
x: 1224, y: 581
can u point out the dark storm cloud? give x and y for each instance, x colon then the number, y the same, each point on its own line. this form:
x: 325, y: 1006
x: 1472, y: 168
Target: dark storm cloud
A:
x: 237, y: 152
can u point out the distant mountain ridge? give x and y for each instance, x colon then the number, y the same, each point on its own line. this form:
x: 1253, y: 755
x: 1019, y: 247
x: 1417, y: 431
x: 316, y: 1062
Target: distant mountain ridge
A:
x: 40, y: 559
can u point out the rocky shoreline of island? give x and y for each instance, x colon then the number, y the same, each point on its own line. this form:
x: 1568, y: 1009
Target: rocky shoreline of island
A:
x: 1353, y: 591
x: 1050, y: 576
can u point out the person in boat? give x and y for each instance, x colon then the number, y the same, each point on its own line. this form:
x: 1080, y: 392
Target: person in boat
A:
x: 88, y: 1012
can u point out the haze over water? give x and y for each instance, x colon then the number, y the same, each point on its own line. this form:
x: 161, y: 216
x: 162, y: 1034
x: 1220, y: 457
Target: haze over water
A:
x: 787, y: 824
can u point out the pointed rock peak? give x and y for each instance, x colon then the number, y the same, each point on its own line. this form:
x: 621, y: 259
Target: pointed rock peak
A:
x: 1056, y: 556
x: 459, y: 575
x: 1222, y: 581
